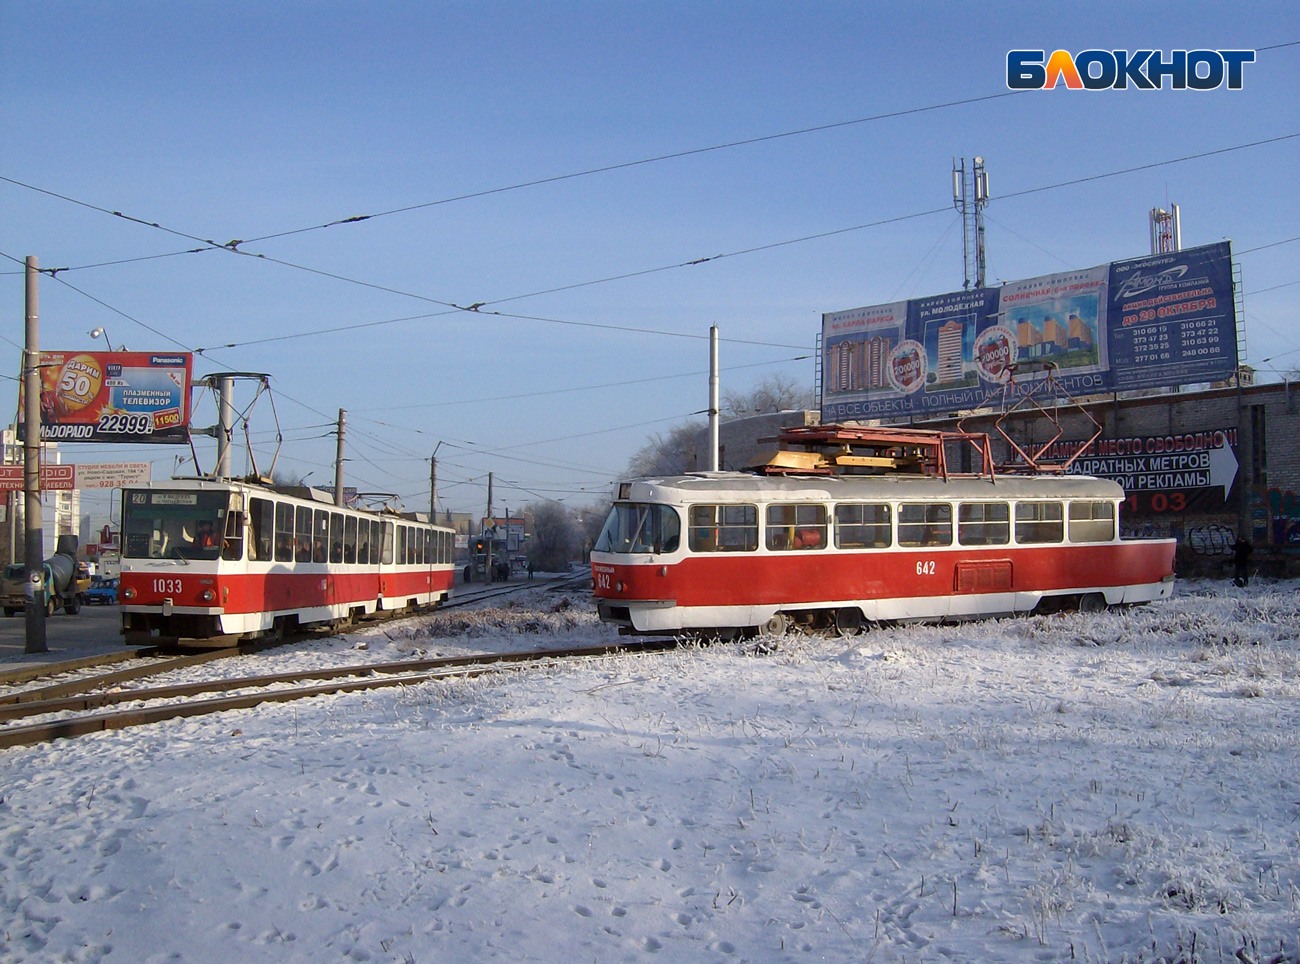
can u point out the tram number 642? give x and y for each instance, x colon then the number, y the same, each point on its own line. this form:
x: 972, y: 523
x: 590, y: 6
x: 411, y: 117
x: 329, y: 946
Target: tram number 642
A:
x: 925, y: 567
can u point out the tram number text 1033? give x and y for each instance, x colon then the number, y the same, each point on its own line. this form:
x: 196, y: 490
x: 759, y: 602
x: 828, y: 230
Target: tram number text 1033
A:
x: 925, y: 567
x: 167, y: 585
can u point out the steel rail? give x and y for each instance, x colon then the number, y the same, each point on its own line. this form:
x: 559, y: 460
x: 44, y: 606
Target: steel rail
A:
x: 379, y: 675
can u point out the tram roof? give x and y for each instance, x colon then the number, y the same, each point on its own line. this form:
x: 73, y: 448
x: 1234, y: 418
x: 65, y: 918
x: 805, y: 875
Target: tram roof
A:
x: 729, y: 486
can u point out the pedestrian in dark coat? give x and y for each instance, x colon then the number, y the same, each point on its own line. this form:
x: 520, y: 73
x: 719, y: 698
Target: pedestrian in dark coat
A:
x: 1241, y: 561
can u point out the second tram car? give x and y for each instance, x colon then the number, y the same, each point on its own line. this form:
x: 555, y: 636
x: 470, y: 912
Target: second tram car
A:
x: 209, y: 562
x: 730, y: 552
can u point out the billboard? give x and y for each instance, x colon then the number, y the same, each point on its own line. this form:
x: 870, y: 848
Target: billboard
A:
x: 113, y: 396
x: 112, y: 475
x: 1163, y: 320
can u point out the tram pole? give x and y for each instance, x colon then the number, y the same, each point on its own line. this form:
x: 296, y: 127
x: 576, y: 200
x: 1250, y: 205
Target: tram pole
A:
x: 713, y: 399
x: 433, y: 484
x: 225, y: 424
x: 34, y: 548
x: 338, y: 459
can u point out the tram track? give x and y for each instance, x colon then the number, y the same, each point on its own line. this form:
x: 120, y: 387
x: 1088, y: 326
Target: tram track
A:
x: 159, y: 660
x: 81, y: 714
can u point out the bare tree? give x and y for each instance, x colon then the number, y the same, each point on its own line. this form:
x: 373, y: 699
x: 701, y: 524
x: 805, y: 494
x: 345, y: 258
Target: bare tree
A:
x: 670, y: 454
x: 775, y: 393
x: 554, y: 537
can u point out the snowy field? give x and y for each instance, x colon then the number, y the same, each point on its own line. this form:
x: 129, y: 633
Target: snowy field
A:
x: 1117, y: 787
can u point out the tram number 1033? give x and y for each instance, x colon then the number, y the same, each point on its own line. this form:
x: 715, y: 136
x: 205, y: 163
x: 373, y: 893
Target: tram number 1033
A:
x: 167, y: 585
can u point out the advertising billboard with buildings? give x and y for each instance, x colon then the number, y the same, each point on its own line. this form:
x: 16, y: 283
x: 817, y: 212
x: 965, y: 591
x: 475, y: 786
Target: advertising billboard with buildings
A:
x: 1163, y: 320
x: 114, y: 396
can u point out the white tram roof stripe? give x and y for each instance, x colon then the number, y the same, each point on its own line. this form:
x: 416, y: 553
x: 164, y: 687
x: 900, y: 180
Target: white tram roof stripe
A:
x: 742, y: 486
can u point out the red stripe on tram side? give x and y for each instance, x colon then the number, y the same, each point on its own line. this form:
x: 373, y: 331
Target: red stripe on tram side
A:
x: 245, y: 592
x: 790, y: 579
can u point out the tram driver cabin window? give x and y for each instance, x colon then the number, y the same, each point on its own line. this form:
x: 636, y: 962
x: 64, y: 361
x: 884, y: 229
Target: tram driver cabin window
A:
x: 925, y: 524
x: 723, y: 528
x: 1092, y: 521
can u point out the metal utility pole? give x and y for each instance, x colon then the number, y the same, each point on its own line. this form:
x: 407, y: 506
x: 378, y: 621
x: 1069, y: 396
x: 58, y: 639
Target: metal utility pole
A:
x: 33, y: 537
x: 713, y: 399
x: 969, y: 196
x: 489, y: 521
x: 433, y: 484
x: 338, y: 459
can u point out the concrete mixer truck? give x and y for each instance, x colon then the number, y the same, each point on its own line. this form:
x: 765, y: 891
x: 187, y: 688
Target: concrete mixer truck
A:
x: 65, y: 580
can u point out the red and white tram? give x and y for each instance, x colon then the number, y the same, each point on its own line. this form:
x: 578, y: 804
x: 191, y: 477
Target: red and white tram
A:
x: 731, y: 551
x: 209, y: 561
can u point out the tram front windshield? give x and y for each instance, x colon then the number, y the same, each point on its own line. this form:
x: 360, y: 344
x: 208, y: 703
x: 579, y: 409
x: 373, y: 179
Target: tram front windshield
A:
x: 640, y: 527
x: 158, y: 524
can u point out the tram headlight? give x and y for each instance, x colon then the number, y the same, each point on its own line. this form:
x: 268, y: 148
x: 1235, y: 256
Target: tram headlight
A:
x: 128, y: 593
x: 208, y: 595
x: 619, y: 587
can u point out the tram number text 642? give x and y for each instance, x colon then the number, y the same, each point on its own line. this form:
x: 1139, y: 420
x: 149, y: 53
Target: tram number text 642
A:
x: 925, y: 567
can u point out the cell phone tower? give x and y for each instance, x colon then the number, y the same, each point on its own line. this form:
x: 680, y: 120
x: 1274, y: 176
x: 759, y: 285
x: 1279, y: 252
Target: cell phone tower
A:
x: 1166, y: 230
x: 970, y: 193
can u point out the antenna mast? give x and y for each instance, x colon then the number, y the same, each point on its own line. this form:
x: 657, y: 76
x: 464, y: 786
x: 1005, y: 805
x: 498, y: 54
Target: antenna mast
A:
x: 970, y: 193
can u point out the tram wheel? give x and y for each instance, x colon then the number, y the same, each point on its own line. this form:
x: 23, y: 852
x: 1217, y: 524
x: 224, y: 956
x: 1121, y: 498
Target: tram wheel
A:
x: 1093, y: 602
x: 848, y: 621
x: 776, y: 626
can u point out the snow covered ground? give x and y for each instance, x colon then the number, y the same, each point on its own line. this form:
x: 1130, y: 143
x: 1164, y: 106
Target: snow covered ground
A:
x: 1117, y: 787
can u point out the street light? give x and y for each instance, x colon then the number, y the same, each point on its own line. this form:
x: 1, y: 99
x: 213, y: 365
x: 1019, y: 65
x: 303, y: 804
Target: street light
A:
x: 101, y: 333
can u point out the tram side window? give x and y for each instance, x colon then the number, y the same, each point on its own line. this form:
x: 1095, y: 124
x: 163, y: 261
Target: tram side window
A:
x: 232, y: 543
x: 350, y: 539
x: 1092, y: 521
x: 723, y: 528
x: 336, y: 537
x: 796, y: 526
x: 387, y: 558
x: 862, y: 525
x: 302, y: 534
x: 1039, y: 522
x: 925, y: 524
x: 320, y: 536
x: 429, y: 542
x: 261, y: 519
x: 445, y: 539
x: 376, y: 541
x: 283, y: 532
x: 984, y: 523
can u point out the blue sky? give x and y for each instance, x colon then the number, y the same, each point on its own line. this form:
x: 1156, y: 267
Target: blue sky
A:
x: 237, y: 120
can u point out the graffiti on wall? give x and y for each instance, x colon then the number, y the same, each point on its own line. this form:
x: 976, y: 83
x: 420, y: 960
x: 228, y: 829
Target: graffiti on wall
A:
x: 1275, y: 516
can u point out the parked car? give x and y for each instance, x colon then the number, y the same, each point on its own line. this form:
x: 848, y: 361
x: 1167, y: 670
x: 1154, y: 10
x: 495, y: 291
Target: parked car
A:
x: 102, y: 592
